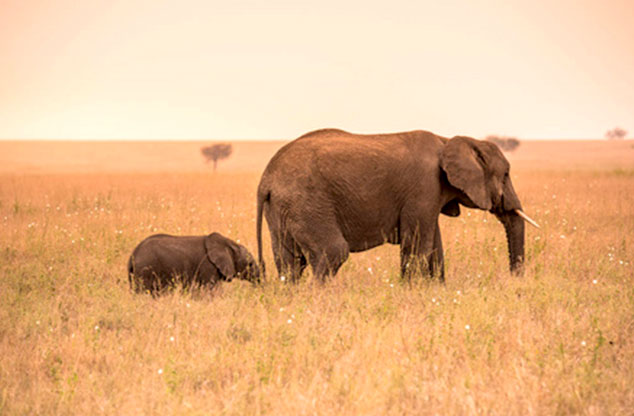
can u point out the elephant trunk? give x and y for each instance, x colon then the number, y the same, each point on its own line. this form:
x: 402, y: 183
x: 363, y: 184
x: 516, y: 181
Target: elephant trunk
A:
x: 514, y: 227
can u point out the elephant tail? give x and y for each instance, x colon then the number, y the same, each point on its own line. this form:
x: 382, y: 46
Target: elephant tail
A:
x: 263, y: 197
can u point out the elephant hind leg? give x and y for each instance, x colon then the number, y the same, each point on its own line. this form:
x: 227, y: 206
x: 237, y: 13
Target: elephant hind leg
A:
x: 327, y: 258
x: 289, y: 259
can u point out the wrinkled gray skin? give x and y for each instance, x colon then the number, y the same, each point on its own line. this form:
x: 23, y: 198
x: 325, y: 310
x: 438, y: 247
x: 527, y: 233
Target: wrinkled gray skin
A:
x: 330, y: 193
x: 161, y: 260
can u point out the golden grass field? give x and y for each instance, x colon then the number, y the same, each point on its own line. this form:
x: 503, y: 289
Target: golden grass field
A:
x: 75, y: 340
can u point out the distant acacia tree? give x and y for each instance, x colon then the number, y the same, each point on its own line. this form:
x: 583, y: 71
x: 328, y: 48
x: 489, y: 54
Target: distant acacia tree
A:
x: 216, y: 152
x: 616, y: 133
x: 507, y: 144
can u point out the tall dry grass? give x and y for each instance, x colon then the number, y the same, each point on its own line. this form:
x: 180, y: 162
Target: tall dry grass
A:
x: 74, y: 340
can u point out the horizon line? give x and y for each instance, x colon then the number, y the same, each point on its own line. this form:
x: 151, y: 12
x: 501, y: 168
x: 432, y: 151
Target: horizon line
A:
x: 88, y: 139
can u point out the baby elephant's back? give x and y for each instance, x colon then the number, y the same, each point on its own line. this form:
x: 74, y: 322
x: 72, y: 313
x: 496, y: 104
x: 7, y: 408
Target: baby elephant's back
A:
x: 168, y: 249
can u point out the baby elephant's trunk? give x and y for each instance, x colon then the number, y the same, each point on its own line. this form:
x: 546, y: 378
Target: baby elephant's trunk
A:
x: 130, y: 272
x: 253, y: 273
x: 136, y: 286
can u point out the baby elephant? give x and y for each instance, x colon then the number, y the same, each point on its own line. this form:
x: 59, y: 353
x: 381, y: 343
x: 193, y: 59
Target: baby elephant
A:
x: 162, y: 260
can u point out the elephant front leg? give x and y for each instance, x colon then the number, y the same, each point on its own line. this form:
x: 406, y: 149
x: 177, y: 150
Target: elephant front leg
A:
x: 417, y: 251
x: 437, y: 265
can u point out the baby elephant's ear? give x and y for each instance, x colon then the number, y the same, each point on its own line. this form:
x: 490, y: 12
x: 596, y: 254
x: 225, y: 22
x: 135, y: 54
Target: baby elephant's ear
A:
x: 220, y: 253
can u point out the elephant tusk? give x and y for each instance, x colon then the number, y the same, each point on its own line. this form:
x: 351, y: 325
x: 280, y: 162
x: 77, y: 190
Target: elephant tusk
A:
x: 527, y: 218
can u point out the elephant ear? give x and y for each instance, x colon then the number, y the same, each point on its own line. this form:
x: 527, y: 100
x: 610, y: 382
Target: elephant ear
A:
x: 464, y: 167
x: 220, y: 254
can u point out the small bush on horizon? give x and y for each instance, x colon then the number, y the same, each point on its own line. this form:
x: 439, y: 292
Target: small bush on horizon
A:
x: 507, y: 144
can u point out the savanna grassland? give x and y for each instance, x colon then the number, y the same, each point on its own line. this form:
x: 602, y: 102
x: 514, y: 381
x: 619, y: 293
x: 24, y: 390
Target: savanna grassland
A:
x: 75, y: 340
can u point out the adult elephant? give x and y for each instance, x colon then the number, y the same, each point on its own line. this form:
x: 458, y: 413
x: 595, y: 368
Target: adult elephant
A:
x: 330, y: 193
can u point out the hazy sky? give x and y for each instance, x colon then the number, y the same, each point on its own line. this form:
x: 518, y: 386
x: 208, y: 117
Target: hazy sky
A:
x: 275, y: 69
